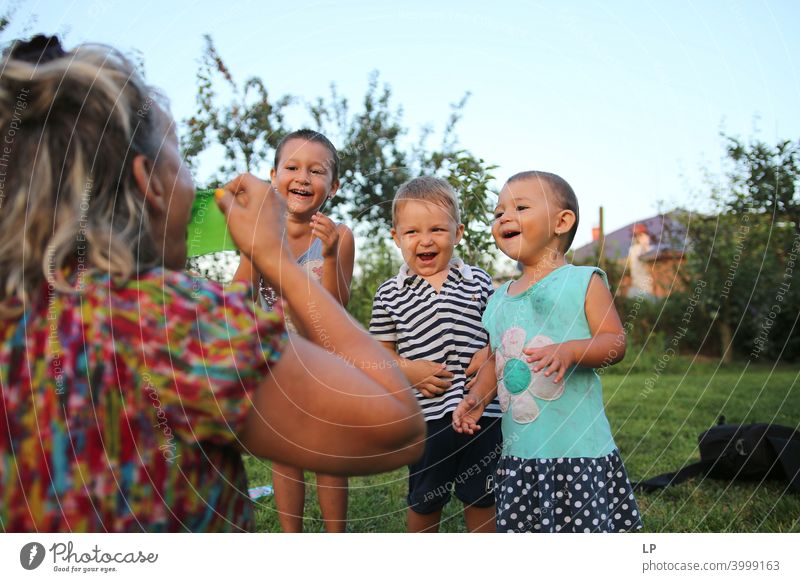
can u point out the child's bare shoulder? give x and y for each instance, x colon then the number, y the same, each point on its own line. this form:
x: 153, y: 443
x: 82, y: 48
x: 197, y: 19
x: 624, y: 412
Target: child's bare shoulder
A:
x: 343, y: 229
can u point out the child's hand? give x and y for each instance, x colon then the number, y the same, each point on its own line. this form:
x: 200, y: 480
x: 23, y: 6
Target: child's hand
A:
x: 556, y: 358
x: 467, y: 414
x: 430, y: 378
x: 324, y: 229
x: 477, y: 361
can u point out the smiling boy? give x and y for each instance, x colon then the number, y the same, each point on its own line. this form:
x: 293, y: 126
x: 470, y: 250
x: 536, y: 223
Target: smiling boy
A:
x: 429, y: 315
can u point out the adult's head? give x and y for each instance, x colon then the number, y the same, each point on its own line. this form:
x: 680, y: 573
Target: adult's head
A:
x: 92, y: 175
x: 641, y: 235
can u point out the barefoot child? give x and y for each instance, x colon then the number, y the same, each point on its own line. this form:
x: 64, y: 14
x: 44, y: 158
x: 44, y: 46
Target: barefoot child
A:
x: 306, y: 174
x: 549, y: 329
x: 430, y: 315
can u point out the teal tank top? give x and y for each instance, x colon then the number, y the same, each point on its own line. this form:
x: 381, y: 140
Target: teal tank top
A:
x: 542, y: 419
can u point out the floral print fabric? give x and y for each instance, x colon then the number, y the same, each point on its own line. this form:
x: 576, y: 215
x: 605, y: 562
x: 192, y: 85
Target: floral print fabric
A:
x: 121, y: 404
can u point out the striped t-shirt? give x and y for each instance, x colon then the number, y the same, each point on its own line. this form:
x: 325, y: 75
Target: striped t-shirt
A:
x: 443, y: 327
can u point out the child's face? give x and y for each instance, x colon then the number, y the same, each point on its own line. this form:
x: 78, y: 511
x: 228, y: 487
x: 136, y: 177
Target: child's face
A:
x: 526, y: 220
x: 304, y: 176
x: 426, y: 234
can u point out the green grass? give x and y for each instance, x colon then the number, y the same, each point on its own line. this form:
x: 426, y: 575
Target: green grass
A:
x: 656, y: 432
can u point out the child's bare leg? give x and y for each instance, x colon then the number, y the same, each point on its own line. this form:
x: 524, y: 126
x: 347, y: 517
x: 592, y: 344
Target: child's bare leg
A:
x: 332, y: 493
x: 290, y: 496
x: 480, y: 519
x: 424, y: 522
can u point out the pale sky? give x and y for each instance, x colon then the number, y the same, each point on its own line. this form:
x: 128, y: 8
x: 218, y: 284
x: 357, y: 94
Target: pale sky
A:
x: 624, y: 99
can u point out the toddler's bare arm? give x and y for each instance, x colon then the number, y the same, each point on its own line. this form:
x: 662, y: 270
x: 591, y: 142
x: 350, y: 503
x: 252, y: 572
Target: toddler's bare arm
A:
x: 604, y: 348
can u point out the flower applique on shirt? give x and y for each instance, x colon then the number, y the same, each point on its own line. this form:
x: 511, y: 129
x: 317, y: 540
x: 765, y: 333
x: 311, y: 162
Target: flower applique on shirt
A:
x: 315, y: 268
x: 518, y: 385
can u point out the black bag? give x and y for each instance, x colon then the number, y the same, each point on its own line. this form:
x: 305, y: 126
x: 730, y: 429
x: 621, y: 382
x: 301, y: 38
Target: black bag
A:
x: 740, y: 452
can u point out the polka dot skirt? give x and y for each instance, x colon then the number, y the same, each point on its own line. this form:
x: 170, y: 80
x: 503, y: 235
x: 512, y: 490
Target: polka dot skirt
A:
x: 565, y: 495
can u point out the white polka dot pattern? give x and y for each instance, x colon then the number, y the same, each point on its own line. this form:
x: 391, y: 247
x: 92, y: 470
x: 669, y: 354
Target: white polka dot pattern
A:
x: 565, y: 495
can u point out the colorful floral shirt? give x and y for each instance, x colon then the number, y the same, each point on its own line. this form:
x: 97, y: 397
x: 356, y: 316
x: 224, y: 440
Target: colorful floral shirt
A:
x: 121, y: 405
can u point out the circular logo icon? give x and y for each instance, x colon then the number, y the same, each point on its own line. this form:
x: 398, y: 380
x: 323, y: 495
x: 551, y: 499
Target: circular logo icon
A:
x: 31, y: 555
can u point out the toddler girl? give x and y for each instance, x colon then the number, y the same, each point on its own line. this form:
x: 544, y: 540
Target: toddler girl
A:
x: 560, y: 469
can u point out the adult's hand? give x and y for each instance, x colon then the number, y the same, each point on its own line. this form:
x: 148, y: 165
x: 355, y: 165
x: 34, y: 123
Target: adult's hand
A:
x: 256, y: 220
x: 334, y: 403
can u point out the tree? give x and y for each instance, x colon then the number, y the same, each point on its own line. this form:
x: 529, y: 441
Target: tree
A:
x: 247, y: 127
x: 744, y: 252
x: 470, y: 177
x: 377, y: 262
x: 714, y: 259
x: 376, y: 152
x: 11, y: 13
x: 765, y: 179
x: 373, y: 165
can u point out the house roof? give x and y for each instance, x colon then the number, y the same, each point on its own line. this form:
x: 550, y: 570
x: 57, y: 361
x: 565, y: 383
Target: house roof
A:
x: 667, y: 233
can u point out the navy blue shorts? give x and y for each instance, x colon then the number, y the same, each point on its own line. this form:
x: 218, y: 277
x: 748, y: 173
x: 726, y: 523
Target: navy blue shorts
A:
x: 455, y: 463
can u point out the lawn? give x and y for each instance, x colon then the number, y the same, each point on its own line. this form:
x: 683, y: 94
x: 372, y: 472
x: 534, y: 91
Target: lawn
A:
x: 656, y: 431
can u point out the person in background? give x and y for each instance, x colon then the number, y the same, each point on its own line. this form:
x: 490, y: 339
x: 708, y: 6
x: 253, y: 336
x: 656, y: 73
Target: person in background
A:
x: 641, y: 272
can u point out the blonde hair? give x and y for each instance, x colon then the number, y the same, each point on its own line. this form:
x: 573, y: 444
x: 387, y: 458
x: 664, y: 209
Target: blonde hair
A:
x: 69, y: 129
x: 428, y: 189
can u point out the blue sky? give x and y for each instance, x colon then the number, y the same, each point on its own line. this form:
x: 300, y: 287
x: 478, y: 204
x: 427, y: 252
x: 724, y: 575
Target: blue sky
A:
x: 623, y: 99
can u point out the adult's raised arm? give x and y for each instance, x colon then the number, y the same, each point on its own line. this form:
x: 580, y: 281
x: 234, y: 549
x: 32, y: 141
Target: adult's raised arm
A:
x: 316, y: 411
x: 336, y: 403
x: 245, y: 271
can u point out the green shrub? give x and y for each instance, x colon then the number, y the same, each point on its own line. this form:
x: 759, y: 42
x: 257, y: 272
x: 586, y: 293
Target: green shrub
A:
x: 378, y: 260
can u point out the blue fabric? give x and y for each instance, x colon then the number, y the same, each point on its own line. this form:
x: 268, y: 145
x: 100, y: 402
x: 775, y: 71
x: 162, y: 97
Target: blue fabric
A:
x: 311, y: 260
x: 544, y: 420
x: 565, y: 495
x: 314, y: 252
